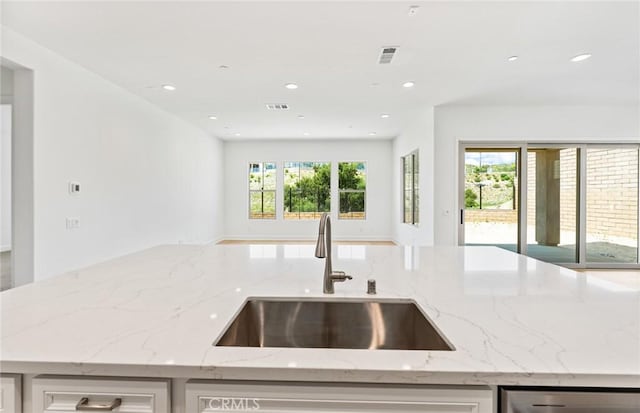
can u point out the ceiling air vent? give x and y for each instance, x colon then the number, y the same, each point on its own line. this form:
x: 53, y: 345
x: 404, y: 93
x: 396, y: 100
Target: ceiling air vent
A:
x: 387, y: 55
x: 277, y: 106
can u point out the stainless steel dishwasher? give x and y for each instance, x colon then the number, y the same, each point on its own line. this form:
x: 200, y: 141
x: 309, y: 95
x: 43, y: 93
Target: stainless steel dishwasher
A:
x: 568, y: 400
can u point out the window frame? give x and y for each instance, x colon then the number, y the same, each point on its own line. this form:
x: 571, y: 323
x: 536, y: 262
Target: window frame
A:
x: 346, y: 191
x: 414, y: 188
x: 262, y: 191
x: 284, y: 192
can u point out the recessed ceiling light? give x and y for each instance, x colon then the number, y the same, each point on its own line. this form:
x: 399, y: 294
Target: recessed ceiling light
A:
x: 413, y: 10
x: 581, y: 57
x: 291, y: 86
x: 237, y: 134
x: 512, y: 58
x: 408, y: 84
x: 213, y: 117
x: 300, y: 116
x: 372, y: 134
x: 169, y: 87
x: 306, y: 134
x: 385, y: 115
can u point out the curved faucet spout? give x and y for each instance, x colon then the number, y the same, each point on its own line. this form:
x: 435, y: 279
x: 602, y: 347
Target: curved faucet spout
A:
x: 325, y: 225
x: 323, y: 250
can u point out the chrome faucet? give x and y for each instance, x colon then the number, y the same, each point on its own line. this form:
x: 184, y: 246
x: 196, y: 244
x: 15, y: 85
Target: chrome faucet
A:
x: 323, y: 250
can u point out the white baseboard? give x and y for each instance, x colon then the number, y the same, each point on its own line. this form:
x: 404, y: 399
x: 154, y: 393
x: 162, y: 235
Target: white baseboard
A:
x: 268, y: 238
x: 304, y: 238
x: 207, y: 242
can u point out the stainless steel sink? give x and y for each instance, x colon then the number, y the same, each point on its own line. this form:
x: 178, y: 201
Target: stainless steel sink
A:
x: 380, y: 324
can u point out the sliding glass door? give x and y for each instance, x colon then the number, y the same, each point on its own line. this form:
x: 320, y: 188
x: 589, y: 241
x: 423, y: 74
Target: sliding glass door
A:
x: 552, y: 214
x: 491, y: 197
x: 575, y: 204
x: 612, y: 205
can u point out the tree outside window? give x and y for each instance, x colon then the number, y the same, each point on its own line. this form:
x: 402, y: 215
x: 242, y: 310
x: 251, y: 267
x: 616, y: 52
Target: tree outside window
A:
x: 352, y: 189
x: 262, y: 190
x: 307, y: 189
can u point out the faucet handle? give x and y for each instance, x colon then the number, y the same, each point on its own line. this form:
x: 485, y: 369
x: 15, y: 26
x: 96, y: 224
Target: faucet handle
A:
x: 340, y: 276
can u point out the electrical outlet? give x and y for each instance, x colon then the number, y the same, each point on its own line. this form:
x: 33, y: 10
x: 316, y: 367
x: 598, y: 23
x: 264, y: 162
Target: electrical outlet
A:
x: 74, y: 188
x: 73, y: 223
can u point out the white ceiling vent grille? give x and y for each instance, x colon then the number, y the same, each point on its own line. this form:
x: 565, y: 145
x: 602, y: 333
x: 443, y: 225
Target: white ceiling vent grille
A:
x: 387, y: 55
x: 277, y: 106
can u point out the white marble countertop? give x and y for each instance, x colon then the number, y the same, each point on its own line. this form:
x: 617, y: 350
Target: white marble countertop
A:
x: 512, y: 319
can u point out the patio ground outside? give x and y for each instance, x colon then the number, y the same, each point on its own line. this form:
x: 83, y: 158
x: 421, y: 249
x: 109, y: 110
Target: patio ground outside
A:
x: 599, y: 249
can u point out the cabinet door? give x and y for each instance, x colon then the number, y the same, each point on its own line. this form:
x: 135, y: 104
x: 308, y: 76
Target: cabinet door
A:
x: 69, y: 394
x: 281, y: 397
x: 10, y: 393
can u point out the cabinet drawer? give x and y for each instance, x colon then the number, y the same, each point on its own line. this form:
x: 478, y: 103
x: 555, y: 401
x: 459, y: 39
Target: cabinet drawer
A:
x: 10, y: 393
x: 62, y: 394
x: 279, y: 397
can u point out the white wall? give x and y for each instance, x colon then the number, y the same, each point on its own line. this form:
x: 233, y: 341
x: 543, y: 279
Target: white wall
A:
x: 238, y: 155
x: 514, y: 123
x: 418, y: 134
x: 147, y: 176
x: 6, y: 84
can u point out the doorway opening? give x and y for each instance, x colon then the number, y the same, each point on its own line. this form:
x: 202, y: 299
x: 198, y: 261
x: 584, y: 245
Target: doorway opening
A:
x: 17, y: 232
x: 6, y: 137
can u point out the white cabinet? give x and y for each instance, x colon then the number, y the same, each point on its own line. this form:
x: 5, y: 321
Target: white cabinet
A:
x: 10, y: 393
x: 280, y: 397
x: 66, y: 394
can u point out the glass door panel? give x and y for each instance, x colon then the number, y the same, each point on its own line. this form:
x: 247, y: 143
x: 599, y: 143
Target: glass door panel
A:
x: 491, y: 197
x: 552, y: 218
x: 612, y: 205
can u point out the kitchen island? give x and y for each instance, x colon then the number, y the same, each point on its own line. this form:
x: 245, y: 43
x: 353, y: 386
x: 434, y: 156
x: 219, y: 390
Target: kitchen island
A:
x: 513, y: 320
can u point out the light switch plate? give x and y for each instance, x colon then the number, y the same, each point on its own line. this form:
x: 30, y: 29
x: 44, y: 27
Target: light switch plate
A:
x: 73, y: 223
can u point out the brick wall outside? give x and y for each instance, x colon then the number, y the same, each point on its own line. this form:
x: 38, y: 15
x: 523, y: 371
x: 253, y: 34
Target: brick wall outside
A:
x: 531, y: 189
x: 491, y: 215
x: 612, y: 195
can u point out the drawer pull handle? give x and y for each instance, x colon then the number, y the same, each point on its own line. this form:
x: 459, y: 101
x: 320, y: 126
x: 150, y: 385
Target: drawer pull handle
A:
x: 83, y: 405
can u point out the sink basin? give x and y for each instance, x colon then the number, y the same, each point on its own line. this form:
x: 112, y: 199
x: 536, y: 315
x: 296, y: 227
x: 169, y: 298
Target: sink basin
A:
x: 386, y: 324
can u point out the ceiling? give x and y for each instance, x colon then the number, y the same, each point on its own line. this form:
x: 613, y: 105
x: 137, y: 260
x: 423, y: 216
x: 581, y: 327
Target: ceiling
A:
x: 455, y: 52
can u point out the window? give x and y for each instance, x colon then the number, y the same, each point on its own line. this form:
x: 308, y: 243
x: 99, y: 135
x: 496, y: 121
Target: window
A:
x: 352, y: 185
x: 490, y: 196
x: 410, y: 173
x: 307, y: 189
x: 612, y: 204
x: 552, y: 210
x: 262, y: 190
